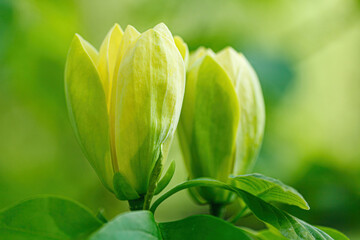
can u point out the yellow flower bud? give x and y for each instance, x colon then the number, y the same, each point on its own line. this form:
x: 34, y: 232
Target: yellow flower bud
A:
x: 222, y: 120
x: 124, y: 104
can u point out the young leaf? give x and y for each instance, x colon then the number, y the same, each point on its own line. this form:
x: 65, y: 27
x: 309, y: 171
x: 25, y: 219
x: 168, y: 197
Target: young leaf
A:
x: 335, y: 234
x: 201, y: 227
x: 270, y: 190
x: 288, y: 225
x: 47, y: 218
x: 268, y: 235
x: 132, y: 225
x: 263, y: 234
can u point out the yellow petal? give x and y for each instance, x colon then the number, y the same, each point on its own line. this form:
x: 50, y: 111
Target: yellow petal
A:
x: 107, y: 58
x: 128, y: 41
x: 183, y: 49
x: 164, y: 30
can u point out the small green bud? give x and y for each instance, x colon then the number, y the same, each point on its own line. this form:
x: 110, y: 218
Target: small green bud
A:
x: 124, y: 104
x: 222, y: 120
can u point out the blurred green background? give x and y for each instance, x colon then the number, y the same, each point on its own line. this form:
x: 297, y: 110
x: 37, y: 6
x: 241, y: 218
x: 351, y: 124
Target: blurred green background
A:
x: 307, y: 56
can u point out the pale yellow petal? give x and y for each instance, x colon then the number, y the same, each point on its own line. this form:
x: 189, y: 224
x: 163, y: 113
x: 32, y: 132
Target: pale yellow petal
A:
x: 128, y: 41
x: 251, y: 101
x: 164, y: 30
x: 183, y: 49
x: 194, y: 56
x: 107, y: 58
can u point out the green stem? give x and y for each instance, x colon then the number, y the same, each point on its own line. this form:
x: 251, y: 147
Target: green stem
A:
x: 200, y: 182
x: 217, y: 209
x: 137, y: 204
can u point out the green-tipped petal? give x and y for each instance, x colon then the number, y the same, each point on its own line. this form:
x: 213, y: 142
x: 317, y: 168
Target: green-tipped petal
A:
x: 250, y: 133
x: 150, y: 89
x: 208, y: 124
x: 87, y: 108
x: 90, y: 50
x: 107, y: 58
x: 183, y: 49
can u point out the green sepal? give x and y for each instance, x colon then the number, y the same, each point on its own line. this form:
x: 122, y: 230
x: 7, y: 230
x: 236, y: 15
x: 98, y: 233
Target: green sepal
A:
x: 194, y: 194
x: 123, y: 189
x: 165, y: 180
x: 100, y: 216
x: 154, y: 177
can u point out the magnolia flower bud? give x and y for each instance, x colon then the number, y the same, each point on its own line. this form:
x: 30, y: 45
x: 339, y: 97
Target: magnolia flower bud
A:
x: 124, y: 104
x: 222, y: 120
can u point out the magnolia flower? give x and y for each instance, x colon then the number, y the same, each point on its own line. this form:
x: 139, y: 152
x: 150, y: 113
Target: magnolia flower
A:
x: 124, y: 103
x: 222, y: 121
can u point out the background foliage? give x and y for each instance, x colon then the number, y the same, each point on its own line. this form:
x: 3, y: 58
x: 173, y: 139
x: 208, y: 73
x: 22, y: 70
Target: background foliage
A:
x: 307, y: 57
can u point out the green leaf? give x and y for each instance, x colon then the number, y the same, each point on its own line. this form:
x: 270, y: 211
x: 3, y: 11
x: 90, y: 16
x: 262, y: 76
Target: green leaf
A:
x: 266, y: 234
x: 251, y: 233
x: 335, y: 234
x: 288, y: 225
x: 270, y: 190
x: 47, y: 218
x: 86, y: 102
x: 201, y: 227
x: 132, y: 225
x: 270, y: 235
x: 165, y: 180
